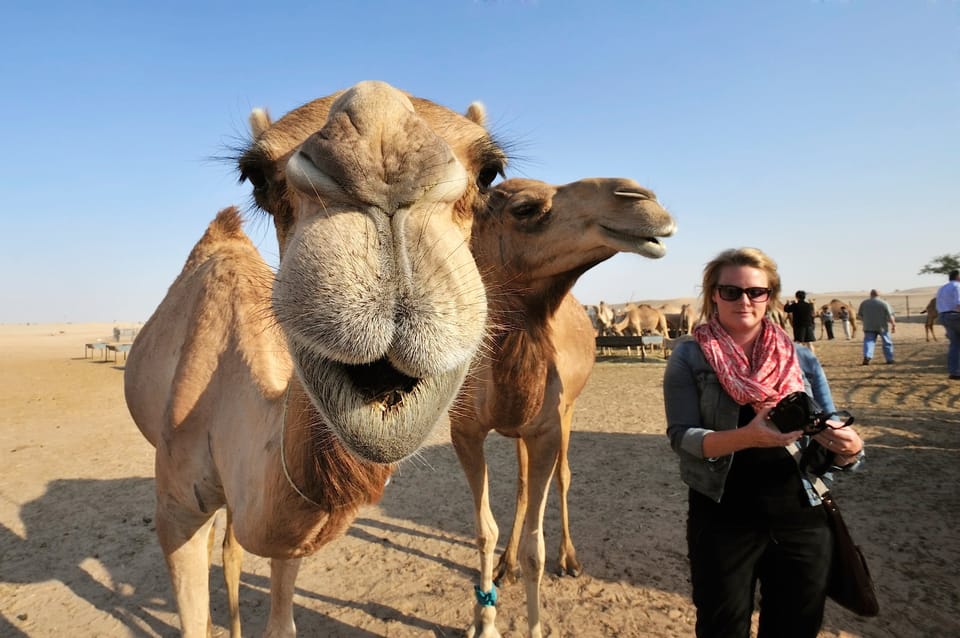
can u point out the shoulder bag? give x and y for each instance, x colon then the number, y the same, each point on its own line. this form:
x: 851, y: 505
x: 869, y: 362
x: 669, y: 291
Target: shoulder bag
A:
x: 850, y: 584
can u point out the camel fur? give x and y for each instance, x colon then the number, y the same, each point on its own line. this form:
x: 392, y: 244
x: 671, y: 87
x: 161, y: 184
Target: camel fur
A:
x: 835, y: 306
x: 640, y: 319
x: 680, y: 321
x: 931, y: 320
x: 256, y: 388
x: 532, y: 243
x: 605, y: 317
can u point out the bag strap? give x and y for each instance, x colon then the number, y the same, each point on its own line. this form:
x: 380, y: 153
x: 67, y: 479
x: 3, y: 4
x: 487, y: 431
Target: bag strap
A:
x: 817, y: 483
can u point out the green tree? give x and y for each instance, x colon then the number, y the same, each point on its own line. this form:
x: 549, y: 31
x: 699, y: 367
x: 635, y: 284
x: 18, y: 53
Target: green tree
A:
x: 942, y: 265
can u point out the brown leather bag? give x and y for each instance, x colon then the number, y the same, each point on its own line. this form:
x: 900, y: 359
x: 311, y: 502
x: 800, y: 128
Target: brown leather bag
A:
x: 850, y: 583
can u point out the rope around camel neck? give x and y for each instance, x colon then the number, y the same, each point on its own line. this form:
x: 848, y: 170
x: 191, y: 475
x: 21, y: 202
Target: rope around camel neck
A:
x: 283, y: 455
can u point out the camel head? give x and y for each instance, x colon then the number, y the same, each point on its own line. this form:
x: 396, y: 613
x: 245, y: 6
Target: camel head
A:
x: 546, y: 236
x: 372, y: 193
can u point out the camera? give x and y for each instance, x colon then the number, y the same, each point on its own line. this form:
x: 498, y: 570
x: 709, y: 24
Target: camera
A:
x: 798, y: 411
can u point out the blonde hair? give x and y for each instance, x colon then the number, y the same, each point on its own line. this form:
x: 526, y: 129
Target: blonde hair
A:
x: 751, y: 257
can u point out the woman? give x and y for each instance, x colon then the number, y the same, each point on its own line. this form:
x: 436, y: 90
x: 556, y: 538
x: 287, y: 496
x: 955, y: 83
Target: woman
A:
x: 750, y: 515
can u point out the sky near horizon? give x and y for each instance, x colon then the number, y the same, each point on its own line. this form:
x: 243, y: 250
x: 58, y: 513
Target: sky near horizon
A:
x: 826, y: 133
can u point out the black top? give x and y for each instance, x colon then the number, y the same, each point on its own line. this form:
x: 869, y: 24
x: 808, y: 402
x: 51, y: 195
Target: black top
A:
x: 802, y: 312
x: 762, y: 489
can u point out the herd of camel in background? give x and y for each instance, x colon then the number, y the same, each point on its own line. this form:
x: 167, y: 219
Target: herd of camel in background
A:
x: 672, y: 321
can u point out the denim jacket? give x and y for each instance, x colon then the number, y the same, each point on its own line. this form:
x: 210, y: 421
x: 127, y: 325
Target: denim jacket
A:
x: 696, y: 404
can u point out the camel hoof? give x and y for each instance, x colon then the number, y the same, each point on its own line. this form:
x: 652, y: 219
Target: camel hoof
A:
x: 570, y: 567
x: 506, y: 575
x: 487, y: 631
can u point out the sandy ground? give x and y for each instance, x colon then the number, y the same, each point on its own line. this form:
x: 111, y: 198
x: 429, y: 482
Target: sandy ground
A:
x: 79, y: 557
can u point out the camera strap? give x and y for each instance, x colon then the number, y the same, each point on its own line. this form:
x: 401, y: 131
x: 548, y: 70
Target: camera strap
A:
x: 816, y: 488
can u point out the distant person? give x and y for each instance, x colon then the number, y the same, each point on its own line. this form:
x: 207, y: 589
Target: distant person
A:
x: 948, y: 305
x: 844, y: 316
x: 826, y: 320
x: 874, y: 315
x: 801, y: 314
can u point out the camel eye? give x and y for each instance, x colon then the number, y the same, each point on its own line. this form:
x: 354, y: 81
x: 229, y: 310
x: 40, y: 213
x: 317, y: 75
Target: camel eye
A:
x: 526, y: 210
x: 487, y: 174
x: 255, y: 177
x: 251, y: 171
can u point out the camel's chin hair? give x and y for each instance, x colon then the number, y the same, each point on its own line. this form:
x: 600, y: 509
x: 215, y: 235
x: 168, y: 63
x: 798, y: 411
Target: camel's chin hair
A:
x: 368, y: 428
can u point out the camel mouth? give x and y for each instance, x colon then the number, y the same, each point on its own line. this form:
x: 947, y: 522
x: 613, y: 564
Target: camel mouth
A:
x: 379, y: 382
x: 377, y: 412
x: 645, y: 245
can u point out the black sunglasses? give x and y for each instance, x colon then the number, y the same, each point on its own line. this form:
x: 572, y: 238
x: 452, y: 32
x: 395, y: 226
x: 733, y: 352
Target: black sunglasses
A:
x: 733, y: 293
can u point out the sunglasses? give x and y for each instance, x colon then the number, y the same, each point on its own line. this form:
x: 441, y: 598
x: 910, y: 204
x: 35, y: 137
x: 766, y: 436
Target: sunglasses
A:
x: 733, y: 293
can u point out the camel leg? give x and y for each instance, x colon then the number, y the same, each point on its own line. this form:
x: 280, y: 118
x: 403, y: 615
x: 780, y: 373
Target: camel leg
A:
x: 184, y: 537
x: 507, y: 569
x: 567, y: 562
x: 283, y: 580
x: 543, y: 451
x: 469, y: 449
x: 232, y: 562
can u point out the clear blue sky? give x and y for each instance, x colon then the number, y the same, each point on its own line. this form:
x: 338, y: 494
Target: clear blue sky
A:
x: 826, y: 133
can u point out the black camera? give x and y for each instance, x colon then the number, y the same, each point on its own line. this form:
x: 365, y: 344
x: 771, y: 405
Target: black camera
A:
x: 798, y: 411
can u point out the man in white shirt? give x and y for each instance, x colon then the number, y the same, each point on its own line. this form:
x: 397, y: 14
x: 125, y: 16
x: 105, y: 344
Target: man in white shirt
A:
x: 948, y: 307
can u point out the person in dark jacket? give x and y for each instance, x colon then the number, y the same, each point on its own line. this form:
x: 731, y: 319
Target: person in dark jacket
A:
x: 801, y: 314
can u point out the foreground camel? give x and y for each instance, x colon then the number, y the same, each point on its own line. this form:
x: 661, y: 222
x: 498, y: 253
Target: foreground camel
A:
x: 531, y: 244
x: 932, y: 314
x: 258, y: 391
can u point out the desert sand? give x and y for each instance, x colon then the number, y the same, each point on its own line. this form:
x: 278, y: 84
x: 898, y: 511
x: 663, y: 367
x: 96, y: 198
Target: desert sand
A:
x: 79, y: 556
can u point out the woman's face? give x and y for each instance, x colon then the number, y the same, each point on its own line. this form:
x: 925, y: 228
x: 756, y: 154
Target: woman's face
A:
x: 743, y: 315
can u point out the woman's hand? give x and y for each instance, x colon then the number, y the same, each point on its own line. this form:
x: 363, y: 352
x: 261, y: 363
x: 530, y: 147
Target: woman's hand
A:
x: 758, y: 433
x: 845, y: 444
x: 763, y: 433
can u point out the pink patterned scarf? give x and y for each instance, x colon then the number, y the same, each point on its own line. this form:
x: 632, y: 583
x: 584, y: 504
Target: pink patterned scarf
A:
x: 773, y: 373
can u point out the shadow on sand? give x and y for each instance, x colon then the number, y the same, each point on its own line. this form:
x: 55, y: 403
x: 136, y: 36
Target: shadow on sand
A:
x: 84, y: 533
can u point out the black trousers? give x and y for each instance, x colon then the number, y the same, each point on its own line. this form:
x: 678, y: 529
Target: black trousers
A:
x: 791, y: 565
x: 828, y: 326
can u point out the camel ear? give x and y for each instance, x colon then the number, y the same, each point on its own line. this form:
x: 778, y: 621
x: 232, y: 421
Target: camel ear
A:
x: 259, y: 122
x: 477, y: 114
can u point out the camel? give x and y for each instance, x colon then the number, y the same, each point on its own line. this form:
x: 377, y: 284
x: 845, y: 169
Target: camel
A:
x: 932, y: 314
x: 531, y: 244
x: 835, y: 306
x: 776, y: 312
x: 641, y: 319
x: 680, y: 321
x: 605, y: 316
x: 259, y: 393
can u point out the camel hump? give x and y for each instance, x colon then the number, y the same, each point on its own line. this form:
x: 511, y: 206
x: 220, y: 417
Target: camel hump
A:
x: 228, y: 224
x: 226, y: 227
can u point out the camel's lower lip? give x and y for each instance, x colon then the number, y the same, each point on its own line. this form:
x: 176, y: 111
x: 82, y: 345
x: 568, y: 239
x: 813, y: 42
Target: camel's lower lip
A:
x: 379, y: 414
x: 648, y: 246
